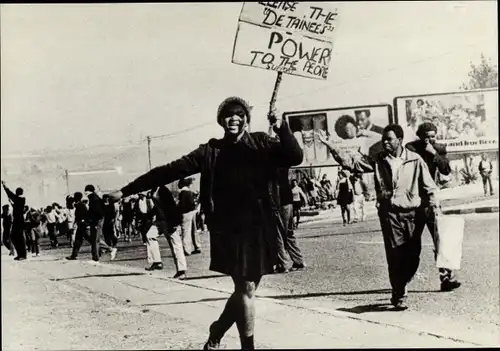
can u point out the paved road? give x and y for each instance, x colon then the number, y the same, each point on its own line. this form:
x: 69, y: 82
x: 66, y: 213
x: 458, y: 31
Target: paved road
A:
x: 347, y: 272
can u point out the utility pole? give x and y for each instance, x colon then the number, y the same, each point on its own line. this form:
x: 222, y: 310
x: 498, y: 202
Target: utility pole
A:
x: 66, y: 175
x: 148, y: 138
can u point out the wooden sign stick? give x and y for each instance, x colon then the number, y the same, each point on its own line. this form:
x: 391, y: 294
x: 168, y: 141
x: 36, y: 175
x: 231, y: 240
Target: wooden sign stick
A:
x: 272, y: 103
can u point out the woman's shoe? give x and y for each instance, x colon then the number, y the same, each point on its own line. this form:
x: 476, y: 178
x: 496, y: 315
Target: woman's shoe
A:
x: 212, y: 342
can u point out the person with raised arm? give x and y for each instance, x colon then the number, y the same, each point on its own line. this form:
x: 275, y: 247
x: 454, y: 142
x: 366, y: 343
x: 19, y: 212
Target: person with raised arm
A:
x: 239, y: 196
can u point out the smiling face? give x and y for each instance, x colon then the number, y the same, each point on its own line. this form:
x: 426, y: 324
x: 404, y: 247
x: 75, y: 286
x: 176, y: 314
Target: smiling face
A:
x: 234, y: 120
x: 350, y: 130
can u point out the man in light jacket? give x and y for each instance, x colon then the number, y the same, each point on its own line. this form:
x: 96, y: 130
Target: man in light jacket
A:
x: 403, y: 184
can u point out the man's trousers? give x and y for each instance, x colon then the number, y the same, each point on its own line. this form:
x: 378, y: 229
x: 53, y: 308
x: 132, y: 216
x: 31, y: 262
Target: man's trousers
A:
x: 428, y: 218
x: 109, y: 233
x: 152, y: 245
x: 402, y: 247
x: 6, y: 239
x: 190, y: 237
x: 486, y: 182
x: 176, y: 246
x: 286, y: 238
x: 17, y: 237
x: 359, y: 207
x: 92, y: 234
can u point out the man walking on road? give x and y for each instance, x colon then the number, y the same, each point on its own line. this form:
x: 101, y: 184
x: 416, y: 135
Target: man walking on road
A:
x: 402, y: 183
x: 18, y: 202
x: 434, y: 156
x: 81, y: 225
x: 168, y: 222
x: 360, y: 192
x: 108, y: 229
x: 286, y: 237
x: 485, y: 169
x: 94, y: 219
x: 299, y: 198
x: 187, y: 205
x: 7, y: 226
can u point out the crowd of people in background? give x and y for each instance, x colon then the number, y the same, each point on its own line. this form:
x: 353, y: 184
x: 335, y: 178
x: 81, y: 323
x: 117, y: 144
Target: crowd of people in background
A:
x: 454, y: 122
x: 349, y: 194
x: 91, y: 217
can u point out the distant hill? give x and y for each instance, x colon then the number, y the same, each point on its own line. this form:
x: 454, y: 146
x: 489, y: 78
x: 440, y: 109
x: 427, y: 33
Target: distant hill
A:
x: 43, y: 176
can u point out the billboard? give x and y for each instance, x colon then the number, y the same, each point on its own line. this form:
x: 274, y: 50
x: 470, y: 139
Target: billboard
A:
x: 466, y: 121
x: 354, y: 129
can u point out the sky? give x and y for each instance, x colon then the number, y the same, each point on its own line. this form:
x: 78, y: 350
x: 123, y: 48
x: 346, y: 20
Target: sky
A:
x: 75, y: 76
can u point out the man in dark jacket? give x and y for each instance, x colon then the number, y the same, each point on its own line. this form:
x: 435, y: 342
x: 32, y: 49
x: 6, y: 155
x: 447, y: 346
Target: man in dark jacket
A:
x: 18, y: 202
x: 286, y: 238
x: 364, y: 121
x: 81, y: 225
x: 238, y: 194
x: 434, y: 155
x: 7, y: 226
x: 94, y: 219
x: 187, y: 206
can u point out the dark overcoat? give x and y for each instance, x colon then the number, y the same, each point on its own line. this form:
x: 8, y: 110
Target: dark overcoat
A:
x: 243, y: 225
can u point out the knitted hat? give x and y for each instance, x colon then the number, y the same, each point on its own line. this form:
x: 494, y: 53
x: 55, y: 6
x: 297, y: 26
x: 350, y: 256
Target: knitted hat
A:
x: 233, y: 100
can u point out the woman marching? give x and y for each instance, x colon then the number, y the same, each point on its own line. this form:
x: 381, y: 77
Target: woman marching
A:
x: 240, y: 199
x: 345, y: 196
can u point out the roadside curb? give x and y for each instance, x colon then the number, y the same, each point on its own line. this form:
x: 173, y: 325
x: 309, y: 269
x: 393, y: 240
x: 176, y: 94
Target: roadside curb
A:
x: 486, y: 209
x: 451, y: 211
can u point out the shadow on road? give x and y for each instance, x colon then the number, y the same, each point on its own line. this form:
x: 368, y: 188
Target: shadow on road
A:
x: 129, y: 259
x: 345, y: 293
x: 336, y: 234
x: 377, y: 307
x: 99, y: 276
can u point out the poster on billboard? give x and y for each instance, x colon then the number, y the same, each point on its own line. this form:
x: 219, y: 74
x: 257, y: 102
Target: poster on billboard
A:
x: 466, y: 121
x: 354, y: 129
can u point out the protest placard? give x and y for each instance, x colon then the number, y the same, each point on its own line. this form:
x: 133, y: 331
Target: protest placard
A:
x: 465, y: 121
x: 313, y: 19
x: 356, y: 130
x: 279, y: 51
x: 287, y: 37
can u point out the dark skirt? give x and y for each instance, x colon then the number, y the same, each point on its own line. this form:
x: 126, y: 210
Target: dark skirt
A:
x: 345, y: 196
x: 246, y: 251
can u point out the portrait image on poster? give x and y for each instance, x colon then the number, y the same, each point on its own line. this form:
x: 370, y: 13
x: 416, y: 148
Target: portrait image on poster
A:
x: 303, y: 128
x: 465, y: 121
x: 353, y: 129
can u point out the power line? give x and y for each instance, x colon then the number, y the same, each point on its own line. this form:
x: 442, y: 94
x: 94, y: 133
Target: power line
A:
x: 169, y: 135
